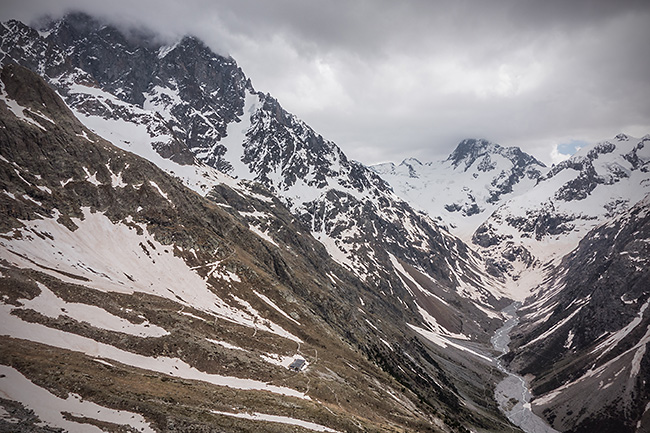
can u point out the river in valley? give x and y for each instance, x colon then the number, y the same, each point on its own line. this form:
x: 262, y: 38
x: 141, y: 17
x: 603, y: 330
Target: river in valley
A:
x: 512, y: 393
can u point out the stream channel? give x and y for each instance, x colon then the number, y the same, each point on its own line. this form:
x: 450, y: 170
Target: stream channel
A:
x: 512, y: 393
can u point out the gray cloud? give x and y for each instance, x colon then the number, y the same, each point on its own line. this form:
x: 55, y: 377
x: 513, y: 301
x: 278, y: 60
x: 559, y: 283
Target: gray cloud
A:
x: 387, y: 80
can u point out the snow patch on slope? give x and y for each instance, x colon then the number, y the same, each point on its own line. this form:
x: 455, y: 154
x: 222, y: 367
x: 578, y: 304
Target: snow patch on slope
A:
x: 50, y: 408
x: 50, y: 305
x: 444, y: 342
x: 121, y: 265
x: 139, y: 138
x: 13, y: 326
x: 262, y: 417
x: 236, y: 137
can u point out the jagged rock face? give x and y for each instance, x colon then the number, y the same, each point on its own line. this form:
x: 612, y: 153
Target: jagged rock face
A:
x: 584, y: 337
x: 350, y: 207
x: 284, y: 153
x: 470, y: 150
x: 476, y: 178
x: 198, y: 93
x: 123, y: 286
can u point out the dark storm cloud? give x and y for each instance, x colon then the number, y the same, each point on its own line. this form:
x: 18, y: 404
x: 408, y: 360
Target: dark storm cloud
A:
x: 576, y: 12
x: 388, y: 80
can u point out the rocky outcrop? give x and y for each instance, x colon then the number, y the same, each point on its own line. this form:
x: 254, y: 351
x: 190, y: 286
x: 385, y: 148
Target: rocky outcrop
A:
x: 198, y: 93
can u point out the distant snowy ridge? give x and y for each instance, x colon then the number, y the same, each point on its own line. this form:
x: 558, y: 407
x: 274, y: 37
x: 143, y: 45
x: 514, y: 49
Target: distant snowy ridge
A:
x: 597, y: 183
x: 463, y: 190
x: 515, y: 210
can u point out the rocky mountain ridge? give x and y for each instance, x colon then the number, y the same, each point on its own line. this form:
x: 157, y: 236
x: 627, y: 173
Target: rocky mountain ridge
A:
x: 417, y: 323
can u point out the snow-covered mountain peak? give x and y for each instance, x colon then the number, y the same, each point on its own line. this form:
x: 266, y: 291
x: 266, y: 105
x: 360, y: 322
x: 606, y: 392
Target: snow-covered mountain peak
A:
x: 471, y: 150
x: 469, y: 185
x: 518, y: 212
x: 605, y: 163
x: 409, y: 167
x: 622, y: 137
x: 412, y: 161
x: 412, y: 165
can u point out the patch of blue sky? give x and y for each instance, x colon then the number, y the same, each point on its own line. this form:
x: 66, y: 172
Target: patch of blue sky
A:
x: 571, y: 147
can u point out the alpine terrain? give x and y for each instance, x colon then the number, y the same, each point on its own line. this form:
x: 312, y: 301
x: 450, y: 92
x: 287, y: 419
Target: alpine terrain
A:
x: 179, y: 253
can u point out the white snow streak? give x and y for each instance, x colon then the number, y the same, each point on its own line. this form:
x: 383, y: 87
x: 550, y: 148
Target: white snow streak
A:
x: 275, y: 307
x: 49, y: 408
x: 445, y: 342
x: 50, y: 305
x: 616, y: 337
x: 256, y: 416
x: 14, y: 327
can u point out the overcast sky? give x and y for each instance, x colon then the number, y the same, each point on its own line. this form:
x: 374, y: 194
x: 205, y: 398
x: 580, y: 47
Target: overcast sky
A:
x: 390, y: 79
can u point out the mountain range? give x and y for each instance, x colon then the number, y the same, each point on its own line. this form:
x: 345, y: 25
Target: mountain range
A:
x: 180, y: 253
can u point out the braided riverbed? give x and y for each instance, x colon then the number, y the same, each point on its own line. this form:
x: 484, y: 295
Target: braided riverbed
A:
x: 512, y: 393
